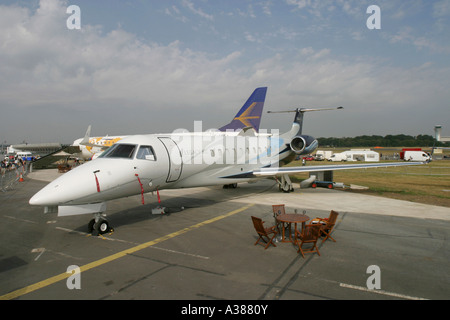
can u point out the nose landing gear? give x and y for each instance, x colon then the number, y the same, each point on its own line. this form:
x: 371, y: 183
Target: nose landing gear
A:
x: 99, y: 225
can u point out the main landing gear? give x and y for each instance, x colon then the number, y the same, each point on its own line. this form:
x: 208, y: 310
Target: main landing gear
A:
x: 99, y: 225
x: 285, y: 184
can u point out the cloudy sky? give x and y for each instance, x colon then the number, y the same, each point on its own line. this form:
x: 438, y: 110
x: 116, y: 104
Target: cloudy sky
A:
x: 155, y: 66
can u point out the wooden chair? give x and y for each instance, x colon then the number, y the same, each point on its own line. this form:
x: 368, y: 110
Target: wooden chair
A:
x: 264, y: 233
x: 310, y: 234
x: 327, y: 225
x: 277, y: 210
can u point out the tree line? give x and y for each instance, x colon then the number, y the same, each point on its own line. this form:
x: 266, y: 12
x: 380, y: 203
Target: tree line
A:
x: 400, y: 140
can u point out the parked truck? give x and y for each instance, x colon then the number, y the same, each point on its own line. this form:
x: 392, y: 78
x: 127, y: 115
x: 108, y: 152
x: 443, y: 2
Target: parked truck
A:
x: 338, y: 157
x: 416, y: 156
x: 322, y: 155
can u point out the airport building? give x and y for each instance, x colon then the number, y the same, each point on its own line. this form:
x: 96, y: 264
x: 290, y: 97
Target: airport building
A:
x: 362, y: 155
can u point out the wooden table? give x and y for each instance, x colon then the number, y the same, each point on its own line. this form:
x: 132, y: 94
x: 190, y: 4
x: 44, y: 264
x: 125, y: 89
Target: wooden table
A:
x: 290, y: 218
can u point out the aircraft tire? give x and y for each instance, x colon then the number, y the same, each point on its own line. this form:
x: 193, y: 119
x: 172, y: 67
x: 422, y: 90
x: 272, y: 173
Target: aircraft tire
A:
x: 102, y: 226
x: 91, y: 226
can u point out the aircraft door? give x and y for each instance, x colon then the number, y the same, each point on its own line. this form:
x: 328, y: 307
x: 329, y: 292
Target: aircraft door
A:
x: 175, y: 159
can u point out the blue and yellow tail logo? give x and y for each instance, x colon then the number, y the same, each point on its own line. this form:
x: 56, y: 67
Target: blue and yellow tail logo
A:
x: 250, y: 113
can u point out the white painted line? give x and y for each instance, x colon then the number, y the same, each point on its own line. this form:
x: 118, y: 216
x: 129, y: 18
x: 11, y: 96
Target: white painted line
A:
x: 23, y: 220
x: 124, y: 241
x: 41, y: 250
x: 183, y: 253
x: 382, y: 292
x: 101, y: 237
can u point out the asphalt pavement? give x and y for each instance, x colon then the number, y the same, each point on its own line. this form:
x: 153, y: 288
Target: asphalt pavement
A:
x: 202, y: 248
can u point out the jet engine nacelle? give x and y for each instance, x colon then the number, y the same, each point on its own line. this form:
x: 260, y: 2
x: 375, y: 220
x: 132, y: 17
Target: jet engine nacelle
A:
x: 303, y: 144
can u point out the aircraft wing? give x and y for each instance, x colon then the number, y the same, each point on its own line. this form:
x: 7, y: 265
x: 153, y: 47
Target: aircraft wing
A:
x: 274, y: 171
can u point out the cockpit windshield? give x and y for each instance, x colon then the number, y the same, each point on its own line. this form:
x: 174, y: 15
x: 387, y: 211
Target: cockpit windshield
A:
x: 120, y: 150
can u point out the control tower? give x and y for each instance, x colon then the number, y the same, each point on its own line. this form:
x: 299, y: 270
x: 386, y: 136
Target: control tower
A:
x: 437, y: 134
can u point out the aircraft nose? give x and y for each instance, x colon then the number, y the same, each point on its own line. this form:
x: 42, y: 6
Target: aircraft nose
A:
x: 48, y: 196
x: 65, y: 189
x: 95, y: 181
x: 38, y: 200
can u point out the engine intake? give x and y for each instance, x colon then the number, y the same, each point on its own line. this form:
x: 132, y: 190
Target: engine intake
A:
x: 303, y: 144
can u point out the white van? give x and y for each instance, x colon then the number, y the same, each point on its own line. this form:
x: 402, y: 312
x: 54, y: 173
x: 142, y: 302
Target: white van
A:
x: 338, y: 157
x: 416, y: 156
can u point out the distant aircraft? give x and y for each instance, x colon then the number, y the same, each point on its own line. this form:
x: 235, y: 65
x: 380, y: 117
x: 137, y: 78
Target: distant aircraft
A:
x: 139, y: 164
x: 91, y: 147
x: 248, y: 116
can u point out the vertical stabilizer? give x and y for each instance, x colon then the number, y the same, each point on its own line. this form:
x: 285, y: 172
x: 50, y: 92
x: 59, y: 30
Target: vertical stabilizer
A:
x: 250, y: 113
x: 87, y: 135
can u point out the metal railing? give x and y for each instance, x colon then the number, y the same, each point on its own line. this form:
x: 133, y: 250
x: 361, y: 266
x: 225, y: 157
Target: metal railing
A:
x: 9, y: 177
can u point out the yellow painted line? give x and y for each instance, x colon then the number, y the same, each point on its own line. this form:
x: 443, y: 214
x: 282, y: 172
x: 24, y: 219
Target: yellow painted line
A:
x: 62, y: 276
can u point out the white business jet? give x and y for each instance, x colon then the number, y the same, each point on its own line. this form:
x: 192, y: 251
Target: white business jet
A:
x: 248, y: 116
x: 140, y: 164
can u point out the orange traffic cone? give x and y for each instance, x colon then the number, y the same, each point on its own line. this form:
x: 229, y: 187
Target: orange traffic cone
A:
x: 21, y: 178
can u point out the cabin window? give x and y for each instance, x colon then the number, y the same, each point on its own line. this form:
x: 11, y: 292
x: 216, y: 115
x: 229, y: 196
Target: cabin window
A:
x: 146, y: 153
x: 120, y: 151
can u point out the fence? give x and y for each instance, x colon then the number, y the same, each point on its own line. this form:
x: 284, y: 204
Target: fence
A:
x: 9, y: 177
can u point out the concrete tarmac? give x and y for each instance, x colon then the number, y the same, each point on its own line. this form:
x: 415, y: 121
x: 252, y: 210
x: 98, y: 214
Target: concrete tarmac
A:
x: 203, y: 248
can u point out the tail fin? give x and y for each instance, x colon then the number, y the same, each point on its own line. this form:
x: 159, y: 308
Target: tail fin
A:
x: 85, y: 140
x: 250, y: 113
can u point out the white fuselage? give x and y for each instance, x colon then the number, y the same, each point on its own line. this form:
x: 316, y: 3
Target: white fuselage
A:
x: 99, y: 144
x: 144, y: 163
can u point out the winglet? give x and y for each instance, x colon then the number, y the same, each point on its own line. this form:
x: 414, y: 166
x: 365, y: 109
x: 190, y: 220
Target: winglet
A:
x: 250, y: 113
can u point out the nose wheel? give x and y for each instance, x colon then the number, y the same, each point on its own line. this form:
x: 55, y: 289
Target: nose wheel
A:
x: 99, y: 225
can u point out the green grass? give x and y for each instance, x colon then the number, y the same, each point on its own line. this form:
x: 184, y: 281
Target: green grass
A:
x: 424, y: 184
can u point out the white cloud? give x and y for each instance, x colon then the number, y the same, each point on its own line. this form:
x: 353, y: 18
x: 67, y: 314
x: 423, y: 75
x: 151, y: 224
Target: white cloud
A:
x: 188, y: 4
x: 441, y: 8
x: 44, y: 61
x: 127, y: 84
x: 174, y: 12
x: 318, y: 7
x: 300, y: 4
x: 407, y: 35
x: 266, y: 7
